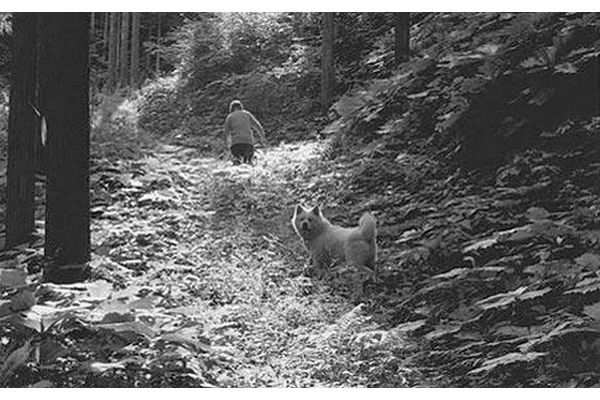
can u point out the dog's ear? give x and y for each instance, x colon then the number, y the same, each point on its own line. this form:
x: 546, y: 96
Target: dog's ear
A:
x: 317, y: 211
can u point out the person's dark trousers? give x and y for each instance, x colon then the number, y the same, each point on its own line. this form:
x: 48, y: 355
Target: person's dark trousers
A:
x: 242, y: 153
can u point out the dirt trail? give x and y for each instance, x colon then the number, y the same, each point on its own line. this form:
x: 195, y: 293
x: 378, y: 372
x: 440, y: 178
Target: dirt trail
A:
x: 215, y: 241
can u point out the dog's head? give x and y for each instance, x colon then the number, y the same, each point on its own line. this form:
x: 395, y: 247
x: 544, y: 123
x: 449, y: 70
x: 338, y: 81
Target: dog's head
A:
x: 307, y: 222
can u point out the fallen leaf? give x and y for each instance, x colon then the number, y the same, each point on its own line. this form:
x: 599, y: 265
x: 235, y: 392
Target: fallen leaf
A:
x: 117, y: 317
x: 507, y: 360
x: 185, y: 341
x: 22, y: 301
x: 589, y: 260
x: 5, y: 308
x: 135, y: 327
x: 536, y: 214
x: 100, y: 367
x: 481, y: 245
x: 13, y: 277
x: 99, y: 290
x: 17, y: 358
x: 42, y: 384
x: 593, y: 310
x: 143, y: 303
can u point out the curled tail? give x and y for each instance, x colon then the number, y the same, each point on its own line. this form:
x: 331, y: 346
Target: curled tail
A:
x: 367, y: 226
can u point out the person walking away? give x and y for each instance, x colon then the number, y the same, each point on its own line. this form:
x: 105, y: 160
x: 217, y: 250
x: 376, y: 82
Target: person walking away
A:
x: 240, y: 126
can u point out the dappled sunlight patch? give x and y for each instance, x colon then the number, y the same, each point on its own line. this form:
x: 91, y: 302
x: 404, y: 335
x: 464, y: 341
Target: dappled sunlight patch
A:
x: 274, y: 162
x: 239, y: 189
x: 296, y: 339
x: 114, y: 128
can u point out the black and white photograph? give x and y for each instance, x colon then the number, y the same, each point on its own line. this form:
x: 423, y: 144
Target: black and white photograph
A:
x: 299, y: 199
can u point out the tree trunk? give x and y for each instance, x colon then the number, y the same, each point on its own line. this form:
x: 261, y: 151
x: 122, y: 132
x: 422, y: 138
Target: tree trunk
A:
x: 135, y: 50
x: 113, y: 42
x: 157, y: 66
x: 105, y: 34
x: 327, y: 60
x: 20, y: 192
x: 124, y: 66
x: 92, y: 38
x: 39, y: 148
x: 118, y: 67
x: 64, y: 92
x: 92, y: 26
x: 402, y: 37
x: 147, y: 52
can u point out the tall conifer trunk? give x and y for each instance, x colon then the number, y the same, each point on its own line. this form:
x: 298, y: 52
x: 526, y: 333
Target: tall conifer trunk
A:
x: 64, y: 95
x: 402, y: 37
x: 135, y: 50
x: 124, y: 53
x: 113, y: 52
x: 20, y: 202
x: 327, y: 60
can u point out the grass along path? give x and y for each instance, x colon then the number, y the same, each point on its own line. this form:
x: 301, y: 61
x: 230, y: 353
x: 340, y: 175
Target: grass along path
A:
x: 215, y: 242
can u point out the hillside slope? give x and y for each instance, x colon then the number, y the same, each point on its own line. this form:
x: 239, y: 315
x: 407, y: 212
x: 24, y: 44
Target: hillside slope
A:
x: 481, y: 158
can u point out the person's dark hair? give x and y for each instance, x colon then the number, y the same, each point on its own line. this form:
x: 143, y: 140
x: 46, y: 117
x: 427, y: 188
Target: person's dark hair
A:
x: 235, y: 105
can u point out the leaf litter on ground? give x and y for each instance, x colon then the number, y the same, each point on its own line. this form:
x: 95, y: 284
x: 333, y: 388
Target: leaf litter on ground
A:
x: 196, y: 268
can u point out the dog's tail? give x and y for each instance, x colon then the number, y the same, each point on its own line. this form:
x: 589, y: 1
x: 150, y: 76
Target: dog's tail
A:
x: 367, y: 226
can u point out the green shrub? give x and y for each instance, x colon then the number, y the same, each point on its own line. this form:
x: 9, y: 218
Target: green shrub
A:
x: 217, y: 45
x: 161, y: 109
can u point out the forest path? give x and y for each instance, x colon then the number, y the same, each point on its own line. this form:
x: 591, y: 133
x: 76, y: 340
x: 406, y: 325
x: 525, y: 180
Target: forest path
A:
x: 215, y: 242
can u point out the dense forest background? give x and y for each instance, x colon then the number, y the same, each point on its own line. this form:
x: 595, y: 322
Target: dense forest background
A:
x: 478, y: 150
x: 181, y: 69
